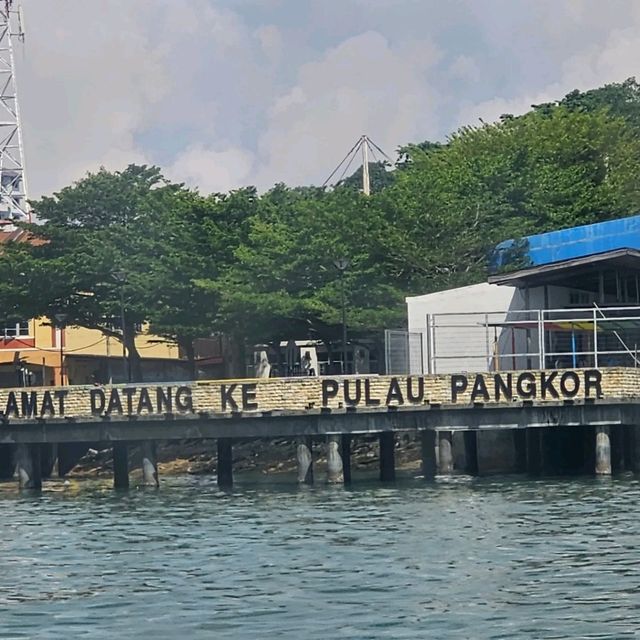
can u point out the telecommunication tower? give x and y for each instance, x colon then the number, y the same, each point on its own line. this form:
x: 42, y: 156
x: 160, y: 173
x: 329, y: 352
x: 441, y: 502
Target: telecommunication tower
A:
x: 13, y: 181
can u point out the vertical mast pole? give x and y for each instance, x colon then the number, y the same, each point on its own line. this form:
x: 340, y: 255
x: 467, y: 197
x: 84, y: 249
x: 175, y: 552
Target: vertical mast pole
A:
x: 366, y: 183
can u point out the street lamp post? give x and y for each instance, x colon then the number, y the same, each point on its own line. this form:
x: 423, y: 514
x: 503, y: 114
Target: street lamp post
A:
x: 121, y: 278
x: 342, y: 264
x: 61, y: 320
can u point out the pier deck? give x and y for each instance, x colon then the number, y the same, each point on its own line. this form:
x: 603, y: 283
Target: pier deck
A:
x: 307, y: 409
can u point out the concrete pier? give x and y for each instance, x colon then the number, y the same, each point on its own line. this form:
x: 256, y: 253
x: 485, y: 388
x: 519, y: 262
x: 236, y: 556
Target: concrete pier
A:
x: 224, y: 468
x: 445, y: 452
x: 535, y: 451
x: 304, y: 456
x: 387, y: 456
x: 471, y: 452
x: 603, y: 451
x: 334, y: 460
x: 120, y: 465
x: 29, y: 466
x: 635, y: 445
x: 69, y: 453
x: 428, y: 443
x: 149, y: 464
x: 48, y: 458
x: 345, y: 451
x: 7, y: 465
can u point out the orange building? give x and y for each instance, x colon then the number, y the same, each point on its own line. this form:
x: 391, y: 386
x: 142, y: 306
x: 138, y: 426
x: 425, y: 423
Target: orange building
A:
x: 35, y: 352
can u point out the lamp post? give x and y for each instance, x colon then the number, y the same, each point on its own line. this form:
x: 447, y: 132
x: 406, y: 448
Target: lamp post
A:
x: 61, y: 320
x: 121, y: 278
x: 342, y: 264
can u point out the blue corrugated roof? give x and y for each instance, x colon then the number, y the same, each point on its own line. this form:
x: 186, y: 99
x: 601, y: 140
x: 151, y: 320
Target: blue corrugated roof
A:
x: 577, y: 242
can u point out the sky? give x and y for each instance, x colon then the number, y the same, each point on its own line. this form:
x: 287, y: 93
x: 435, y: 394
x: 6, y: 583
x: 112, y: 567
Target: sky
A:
x: 228, y: 93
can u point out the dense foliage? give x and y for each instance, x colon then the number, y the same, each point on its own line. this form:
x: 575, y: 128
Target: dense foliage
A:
x: 261, y: 267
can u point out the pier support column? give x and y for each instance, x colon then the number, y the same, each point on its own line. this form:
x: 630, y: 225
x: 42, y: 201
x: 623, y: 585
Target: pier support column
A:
x: 7, y: 466
x: 69, y: 454
x: 48, y: 456
x: 428, y: 443
x: 603, y: 451
x: 149, y: 464
x: 635, y: 447
x: 225, y: 462
x: 520, y: 447
x: 535, y: 450
x: 471, y: 452
x: 445, y: 452
x: 304, y: 456
x: 120, y: 465
x: 387, y: 456
x: 345, y: 450
x: 28, y: 466
x: 334, y: 460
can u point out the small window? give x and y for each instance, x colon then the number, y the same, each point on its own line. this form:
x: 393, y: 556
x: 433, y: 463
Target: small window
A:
x: 17, y: 330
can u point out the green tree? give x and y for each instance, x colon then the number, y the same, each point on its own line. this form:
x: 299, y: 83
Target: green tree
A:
x: 284, y: 282
x: 112, y: 245
x: 546, y: 170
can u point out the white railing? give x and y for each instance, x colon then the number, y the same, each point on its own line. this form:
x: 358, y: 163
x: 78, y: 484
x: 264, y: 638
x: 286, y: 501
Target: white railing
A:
x: 532, y: 339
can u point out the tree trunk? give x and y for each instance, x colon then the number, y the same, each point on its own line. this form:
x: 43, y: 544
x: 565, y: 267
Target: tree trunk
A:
x: 234, y: 366
x: 134, y: 362
x: 190, y: 352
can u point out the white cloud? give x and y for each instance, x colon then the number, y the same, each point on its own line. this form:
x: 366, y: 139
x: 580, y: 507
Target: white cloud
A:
x: 363, y: 85
x: 211, y: 171
x: 614, y: 58
x: 230, y: 92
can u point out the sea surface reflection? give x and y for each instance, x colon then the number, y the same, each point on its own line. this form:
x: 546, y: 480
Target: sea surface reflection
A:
x: 483, y: 558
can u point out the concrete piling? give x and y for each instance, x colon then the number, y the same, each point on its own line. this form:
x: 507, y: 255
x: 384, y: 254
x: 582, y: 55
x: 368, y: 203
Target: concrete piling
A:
x: 535, y: 451
x: 120, y: 465
x: 334, y: 460
x: 603, y: 451
x: 48, y: 457
x: 69, y: 454
x: 387, y: 456
x: 149, y: 464
x: 29, y: 466
x: 445, y: 451
x: 635, y: 448
x: 471, y: 452
x: 304, y: 457
x: 428, y: 443
x: 7, y: 466
x: 345, y: 451
x: 225, y: 462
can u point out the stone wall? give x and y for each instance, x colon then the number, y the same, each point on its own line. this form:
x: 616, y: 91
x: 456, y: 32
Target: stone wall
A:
x: 300, y: 394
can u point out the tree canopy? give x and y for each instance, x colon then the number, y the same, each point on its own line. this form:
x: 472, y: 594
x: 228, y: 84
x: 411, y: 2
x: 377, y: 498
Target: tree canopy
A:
x: 261, y: 267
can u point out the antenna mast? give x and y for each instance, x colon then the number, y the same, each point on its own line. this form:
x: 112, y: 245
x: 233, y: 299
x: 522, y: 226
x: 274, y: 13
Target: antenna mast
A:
x: 364, y: 145
x: 13, y: 181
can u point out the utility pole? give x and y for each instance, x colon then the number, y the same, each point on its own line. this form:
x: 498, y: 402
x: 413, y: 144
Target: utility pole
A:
x: 342, y: 264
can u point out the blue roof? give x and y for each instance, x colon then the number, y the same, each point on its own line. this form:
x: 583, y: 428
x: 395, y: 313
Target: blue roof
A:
x: 557, y: 246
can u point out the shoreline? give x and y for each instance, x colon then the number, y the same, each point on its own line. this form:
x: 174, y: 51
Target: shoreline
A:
x: 262, y: 456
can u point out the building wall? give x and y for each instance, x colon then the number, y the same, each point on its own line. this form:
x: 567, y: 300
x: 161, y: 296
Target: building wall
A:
x: 84, y: 351
x: 460, y: 340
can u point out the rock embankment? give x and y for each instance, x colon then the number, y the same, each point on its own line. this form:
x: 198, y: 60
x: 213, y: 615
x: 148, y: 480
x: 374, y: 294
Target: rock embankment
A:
x: 264, y: 456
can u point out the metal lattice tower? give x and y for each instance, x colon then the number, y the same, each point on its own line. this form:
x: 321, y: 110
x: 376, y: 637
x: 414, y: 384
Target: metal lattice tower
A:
x: 13, y: 181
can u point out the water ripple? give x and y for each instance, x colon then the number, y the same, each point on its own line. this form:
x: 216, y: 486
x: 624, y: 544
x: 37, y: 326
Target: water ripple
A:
x: 484, y: 559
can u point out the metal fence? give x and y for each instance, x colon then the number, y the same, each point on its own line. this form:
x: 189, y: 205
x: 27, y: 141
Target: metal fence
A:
x: 518, y: 339
x: 403, y: 352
